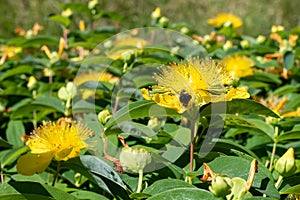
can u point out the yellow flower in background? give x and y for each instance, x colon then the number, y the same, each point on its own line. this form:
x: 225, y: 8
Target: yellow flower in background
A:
x: 195, y: 82
x: 225, y: 19
x: 8, y: 52
x: 131, y: 46
x: 95, y: 76
x: 67, y: 12
x: 238, y: 66
x: 62, y: 141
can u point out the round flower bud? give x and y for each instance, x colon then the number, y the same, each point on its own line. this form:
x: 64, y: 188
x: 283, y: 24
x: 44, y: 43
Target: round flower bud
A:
x: 221, y: 185
x: 32, y: 82
x: 163, y: 21
x: 104, y: 116
x: 156, y: 13
x: 286, y: 164
x: 134, y: 160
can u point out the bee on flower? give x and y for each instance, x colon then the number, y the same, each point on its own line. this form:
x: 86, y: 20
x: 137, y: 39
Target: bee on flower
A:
x: 193, y: 83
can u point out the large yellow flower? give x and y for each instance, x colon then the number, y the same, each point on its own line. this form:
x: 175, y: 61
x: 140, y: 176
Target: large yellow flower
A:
x: 225, y: 18
x: 61, y: 140
x: 238, y: 66
x: 193, y: 83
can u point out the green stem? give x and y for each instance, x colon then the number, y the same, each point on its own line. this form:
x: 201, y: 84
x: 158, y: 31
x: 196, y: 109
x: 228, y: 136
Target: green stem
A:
x: 139, y: 189
x: 273, y: 150
x: 278, y: 182
x: 56, y: 173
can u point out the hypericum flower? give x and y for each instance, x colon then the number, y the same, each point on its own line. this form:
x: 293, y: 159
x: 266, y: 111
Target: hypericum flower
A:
x: 133, y: 46
x: 238, y: 66
x: 192, y: 83
x: 62, y: 141
x: 95, y: 76
x: 225, y: 19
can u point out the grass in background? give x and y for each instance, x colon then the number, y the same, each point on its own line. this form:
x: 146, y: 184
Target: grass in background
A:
x: 258, y: 16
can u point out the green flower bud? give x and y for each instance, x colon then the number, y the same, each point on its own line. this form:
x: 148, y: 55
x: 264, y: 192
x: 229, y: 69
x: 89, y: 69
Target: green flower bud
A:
x: 104, y: 116
x: 221, y: 185
x: 156, y: 13
x: 163, y: 21
x: 134, y: 160
x: 286, y: 164
x: 32, y: 82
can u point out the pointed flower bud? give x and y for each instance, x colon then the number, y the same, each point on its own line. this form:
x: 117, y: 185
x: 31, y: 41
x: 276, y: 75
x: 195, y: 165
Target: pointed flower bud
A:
x: 286, y: 164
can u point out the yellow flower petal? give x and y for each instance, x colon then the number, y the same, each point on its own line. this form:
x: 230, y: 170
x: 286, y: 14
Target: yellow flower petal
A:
x: 30, y: 164
x: 237, y: 93
x: 223, y: 18
x: 64, y: 139
x: 238, y: 66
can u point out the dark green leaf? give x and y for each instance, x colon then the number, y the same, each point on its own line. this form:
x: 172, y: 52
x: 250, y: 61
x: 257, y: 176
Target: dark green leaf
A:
x: 184, y: 194
x: 288, y: 60
x: 166, y: 184
x: 22, y: 69
x: 239, y: 167
x: 292, y: 190
x: 99, y: 173
x: 33, y: 188
x: 15, y: 130
x: 9, y: 156
x: 137, y: 110
x: 81, y: 194
x: 61, y: 19
x: 237, y: 106
x: 39, y: 41
x: 290, y: 135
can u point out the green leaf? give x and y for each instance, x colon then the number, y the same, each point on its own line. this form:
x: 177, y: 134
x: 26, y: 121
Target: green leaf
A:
x: 49, y: 101
x: 22, y: 69
x: 249, y: 125
x: 38, y: 41
x: 292, y: 190
x: 166, y: 184
x: 99, y: 173
x: 4, y: 144
x: 134, y: 129
x: 239, y: 167
x: 237, y: 106
x: 24, y: 197
x: 15, y: 130
x: 290, y: 135
x: 81, y: 194
x: 288, y: 60
x: 263, y: 77
x: 32, y: 188
x: 184, y: 194
x: 61, y: 19
x: 9, y: 156
x: 137, y: 110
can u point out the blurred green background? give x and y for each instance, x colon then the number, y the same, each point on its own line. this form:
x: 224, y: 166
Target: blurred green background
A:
x: 258, y: 15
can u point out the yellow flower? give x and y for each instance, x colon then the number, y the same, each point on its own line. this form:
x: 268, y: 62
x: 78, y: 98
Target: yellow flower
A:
x: 196, y: 82
x: 132, y: 46
x: 95, y: 76
x: 62, y: 140
x: 67, y: 12
x: 225, y: 19
x: 238, y: 66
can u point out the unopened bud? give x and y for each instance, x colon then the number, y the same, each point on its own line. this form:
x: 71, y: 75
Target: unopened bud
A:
x: 221, y: 185
x: 286, y: 164
x: 134, y: 160
x: 156, y: 13
x: 104, y: 116
x: 163, y: 21
x: 31, y: 82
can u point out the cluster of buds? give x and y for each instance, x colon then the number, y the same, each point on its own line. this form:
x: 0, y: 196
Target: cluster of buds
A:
x: 158, y: 19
